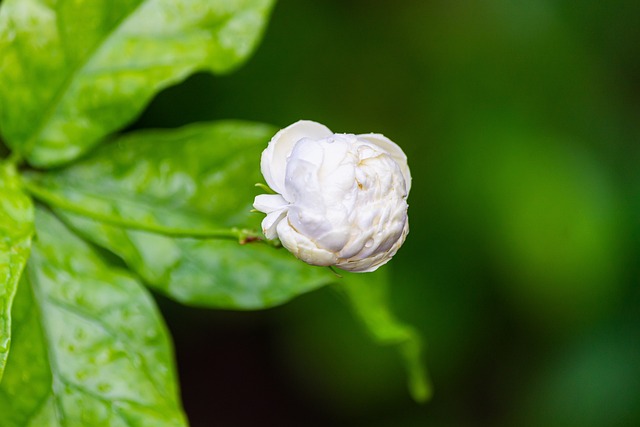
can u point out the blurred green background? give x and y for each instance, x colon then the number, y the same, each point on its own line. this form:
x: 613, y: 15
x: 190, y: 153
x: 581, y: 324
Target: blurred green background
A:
x: 521, y: 123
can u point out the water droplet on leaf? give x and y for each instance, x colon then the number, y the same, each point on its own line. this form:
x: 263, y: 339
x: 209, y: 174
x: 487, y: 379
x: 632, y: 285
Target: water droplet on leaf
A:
x: 104, y: 387
x: 4, y: 344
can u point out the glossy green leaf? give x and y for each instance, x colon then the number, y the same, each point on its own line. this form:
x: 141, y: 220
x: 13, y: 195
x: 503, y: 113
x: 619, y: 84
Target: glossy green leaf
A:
x: 367, y: 294
x: 90, y: 348
x: 16, y: 228
x: 73, y: 72
x: 195, y: 180
x: 198, y: 180
x: 211, y: 273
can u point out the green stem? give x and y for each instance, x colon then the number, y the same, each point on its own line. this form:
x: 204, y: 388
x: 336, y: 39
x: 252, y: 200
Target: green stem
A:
x: 265, y: 188
x: 243, y: 236
x: 335, y: 272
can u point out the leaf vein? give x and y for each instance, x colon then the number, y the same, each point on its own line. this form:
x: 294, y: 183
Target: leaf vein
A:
x: 126, y: 341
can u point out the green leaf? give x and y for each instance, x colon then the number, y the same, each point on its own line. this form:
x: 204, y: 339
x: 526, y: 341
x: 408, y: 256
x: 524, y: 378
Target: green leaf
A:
x: 73, y: 72
x: 197, y: 180
x: 90, y: 348
x: 367, y: 294
x: 16, y: 228
x: 209, y: 273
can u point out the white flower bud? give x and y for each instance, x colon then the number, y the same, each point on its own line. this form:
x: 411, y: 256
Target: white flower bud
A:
x: 342, y: 198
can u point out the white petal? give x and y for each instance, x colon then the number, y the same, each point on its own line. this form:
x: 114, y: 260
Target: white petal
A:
x: 302, y: 247
x: 270, y: 223
x: 394, y: 151
x: 268, y: 203
x: 274, y: 158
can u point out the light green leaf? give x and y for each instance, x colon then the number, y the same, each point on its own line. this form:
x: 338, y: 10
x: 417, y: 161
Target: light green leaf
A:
x: 209, y: 273
x: 90, y: 348
x: 197, y: 180
x: 72, y: 72
x: 16, y: 228
x: 367, y: 294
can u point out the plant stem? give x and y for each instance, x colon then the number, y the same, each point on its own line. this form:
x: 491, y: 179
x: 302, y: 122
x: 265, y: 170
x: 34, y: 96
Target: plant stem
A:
x: 243, y: 236
x: 265, y: 188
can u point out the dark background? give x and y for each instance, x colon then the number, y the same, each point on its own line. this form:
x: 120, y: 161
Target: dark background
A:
x: 521, y: 123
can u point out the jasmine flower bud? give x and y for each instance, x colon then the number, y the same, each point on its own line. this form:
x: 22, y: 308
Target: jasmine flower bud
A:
x: 342, y: 198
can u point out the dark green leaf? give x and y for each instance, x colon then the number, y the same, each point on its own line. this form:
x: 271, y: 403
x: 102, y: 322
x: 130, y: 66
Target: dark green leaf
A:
x: 73, y: 72
x: 90, y: 348
x: 193, y: 180
x: 16, y: 228
x: 367, y: 294
x: 212, y: 273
